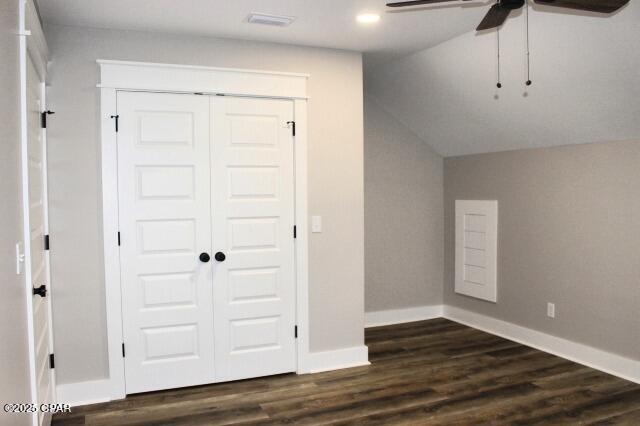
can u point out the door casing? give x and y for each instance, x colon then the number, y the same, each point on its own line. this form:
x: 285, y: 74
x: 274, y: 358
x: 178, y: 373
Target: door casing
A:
x: 170, y: 78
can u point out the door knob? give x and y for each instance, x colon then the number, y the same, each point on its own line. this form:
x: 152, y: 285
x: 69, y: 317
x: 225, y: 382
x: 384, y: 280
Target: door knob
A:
x: 220, y: 256
x: 40, y: 291
x: 205, y: 258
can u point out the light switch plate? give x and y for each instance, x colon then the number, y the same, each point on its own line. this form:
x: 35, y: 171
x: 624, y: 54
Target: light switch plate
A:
x: 19, y: 258
x: 316, y: 224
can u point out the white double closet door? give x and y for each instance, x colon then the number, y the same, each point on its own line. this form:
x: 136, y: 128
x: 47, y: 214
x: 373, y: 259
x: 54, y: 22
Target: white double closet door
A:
x: 206, y: 217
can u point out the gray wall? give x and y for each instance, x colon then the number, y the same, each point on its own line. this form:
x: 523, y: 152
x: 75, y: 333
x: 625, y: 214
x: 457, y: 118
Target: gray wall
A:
x: 569, y: 233
x: 335, y: 180
x: 14, y: 370
x: 403, y: 188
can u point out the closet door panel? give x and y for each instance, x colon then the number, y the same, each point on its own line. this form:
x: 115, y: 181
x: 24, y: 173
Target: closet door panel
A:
x: 165, y: 224
x: 253, y: 219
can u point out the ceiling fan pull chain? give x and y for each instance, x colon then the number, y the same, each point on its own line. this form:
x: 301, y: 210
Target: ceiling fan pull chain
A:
x: 499, y: 85
x: 528, y: 83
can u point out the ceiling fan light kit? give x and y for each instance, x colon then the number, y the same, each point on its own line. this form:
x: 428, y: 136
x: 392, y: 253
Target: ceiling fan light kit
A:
x: 500, y: 11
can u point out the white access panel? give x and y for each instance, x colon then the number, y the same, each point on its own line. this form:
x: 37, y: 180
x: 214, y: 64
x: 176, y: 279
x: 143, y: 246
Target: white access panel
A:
x: 477, y: 249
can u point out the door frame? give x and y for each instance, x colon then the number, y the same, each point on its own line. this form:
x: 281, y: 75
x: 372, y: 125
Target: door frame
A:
x: 33, y: 48
x: 172, y: 78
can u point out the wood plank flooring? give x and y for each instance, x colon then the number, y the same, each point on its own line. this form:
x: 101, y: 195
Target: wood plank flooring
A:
x: 433, y: 372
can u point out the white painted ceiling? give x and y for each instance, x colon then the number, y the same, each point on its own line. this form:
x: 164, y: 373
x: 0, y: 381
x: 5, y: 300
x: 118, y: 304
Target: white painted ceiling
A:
x: 430, y: 69
x: 324, y: 23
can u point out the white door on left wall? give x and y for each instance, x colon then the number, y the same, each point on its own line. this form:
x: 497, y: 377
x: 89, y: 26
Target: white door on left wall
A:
x: 38, y: 229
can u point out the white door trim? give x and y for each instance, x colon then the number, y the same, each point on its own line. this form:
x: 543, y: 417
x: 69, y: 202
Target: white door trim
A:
x: 143, y: 76
x: 136, y: 76
x: 26, y: 232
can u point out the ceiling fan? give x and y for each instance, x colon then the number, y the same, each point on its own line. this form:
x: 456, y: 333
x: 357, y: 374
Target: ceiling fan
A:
x: 500, y: 11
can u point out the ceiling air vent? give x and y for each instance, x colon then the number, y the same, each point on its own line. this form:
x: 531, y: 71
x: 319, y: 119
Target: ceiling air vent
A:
x: 275, y: 20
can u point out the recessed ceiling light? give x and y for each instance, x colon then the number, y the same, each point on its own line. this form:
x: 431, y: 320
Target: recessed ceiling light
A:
x: 266, y: 19
x: 368, y: 18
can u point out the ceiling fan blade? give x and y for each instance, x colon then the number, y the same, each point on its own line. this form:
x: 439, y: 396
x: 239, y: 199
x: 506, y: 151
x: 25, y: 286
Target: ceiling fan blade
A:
x: 602, y: 6
x: 418, y: 2
x: 494, y: 18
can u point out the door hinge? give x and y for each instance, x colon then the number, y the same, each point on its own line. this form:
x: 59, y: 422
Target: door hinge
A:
x: 52, y: 361
x: 43, y: 118
x: 123, y: 354
x: 40, y: 291
x: 295, y: 331
x: 295, y: 231
x: 46, y: 242
x: 117, y: 118
x: 293, y: 127
x: 118, y: 238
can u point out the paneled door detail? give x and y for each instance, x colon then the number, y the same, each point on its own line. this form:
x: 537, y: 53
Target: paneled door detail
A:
x: 253, y: 218
x: 38, y: 228
x: 165, y: 224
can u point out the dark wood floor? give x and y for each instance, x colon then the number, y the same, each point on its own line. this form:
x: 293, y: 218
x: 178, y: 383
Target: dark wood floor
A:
x: 433, y: 372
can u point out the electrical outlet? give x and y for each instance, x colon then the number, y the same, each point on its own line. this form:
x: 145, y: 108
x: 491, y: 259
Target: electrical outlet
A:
x: 551, y: 310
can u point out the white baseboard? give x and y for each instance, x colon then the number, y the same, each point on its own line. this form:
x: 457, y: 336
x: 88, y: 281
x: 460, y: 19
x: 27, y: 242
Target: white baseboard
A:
x: 399, y: 316
x: 84, y: 393
x: 598, y: 359
x: 338, y: 359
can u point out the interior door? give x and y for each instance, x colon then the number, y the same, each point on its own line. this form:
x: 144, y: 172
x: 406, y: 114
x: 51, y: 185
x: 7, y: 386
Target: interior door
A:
x: 38, y: 228
x: 165, y: 237
x: 253, y: 219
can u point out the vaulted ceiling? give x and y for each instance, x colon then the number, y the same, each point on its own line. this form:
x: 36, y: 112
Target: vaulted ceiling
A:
x: 584, y: 69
